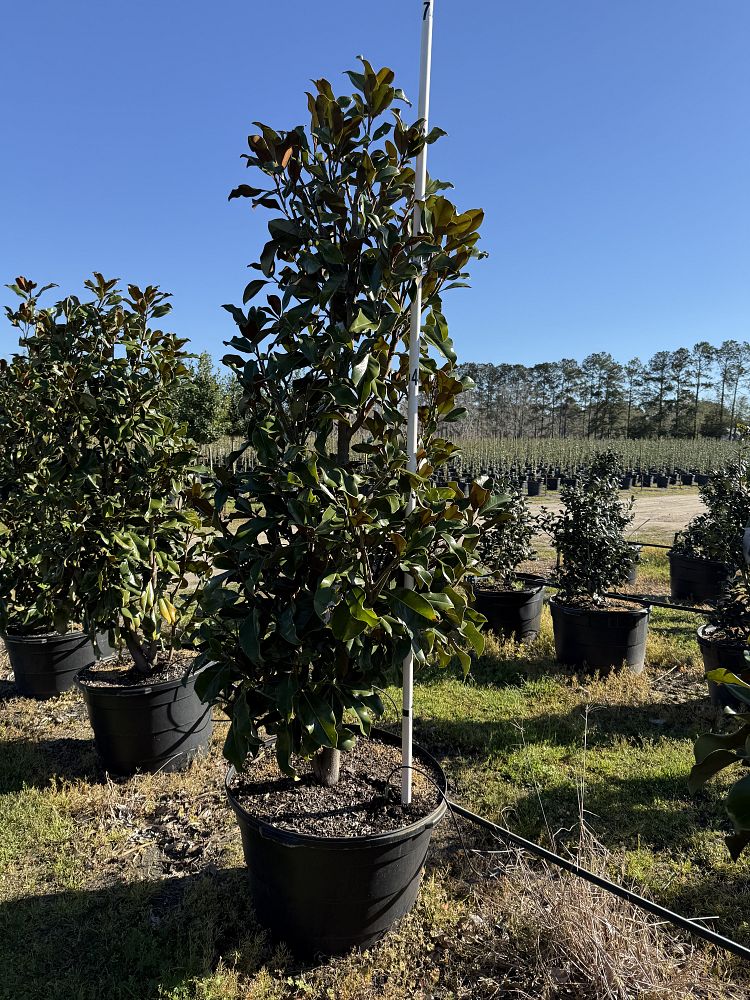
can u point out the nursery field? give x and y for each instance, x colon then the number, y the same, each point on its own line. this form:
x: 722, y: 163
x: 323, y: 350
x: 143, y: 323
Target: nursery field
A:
x: 668, y: 454
x: 136, y: 888
x: 665, y: 454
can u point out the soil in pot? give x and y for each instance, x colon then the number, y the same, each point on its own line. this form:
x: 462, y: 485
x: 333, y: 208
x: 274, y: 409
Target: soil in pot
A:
x: 600, y: 638
x: 44, y: 665
x: 513, y: 612
x: 721, y: 650
x: 366, y: 800
x: 356, y: 867
x: 158, y: 724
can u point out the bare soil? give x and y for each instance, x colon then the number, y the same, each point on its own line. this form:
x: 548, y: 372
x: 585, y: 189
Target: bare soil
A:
x: 658, y: 515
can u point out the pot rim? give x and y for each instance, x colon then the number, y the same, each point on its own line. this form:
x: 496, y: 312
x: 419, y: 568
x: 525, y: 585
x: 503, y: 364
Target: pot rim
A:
x: 136, y: 690
x: 537, y: 583
x: 291, y: 838
x: 44, y: 637
x: 636, y: 610
x: 702, y: 633
x: 671, y: 554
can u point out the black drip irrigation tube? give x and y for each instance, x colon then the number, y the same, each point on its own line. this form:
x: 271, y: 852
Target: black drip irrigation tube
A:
x: 616, y: 890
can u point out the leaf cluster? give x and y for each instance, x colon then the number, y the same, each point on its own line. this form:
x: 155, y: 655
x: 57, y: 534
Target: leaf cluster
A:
x: 503, y: 547
x: 589, y: 534
x: 731, y: 617
x: 310, y: 613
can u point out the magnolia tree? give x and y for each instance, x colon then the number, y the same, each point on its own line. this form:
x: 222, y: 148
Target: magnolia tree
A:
x: 310, y: 614
x: 101, y: 458
x: 37, y: 586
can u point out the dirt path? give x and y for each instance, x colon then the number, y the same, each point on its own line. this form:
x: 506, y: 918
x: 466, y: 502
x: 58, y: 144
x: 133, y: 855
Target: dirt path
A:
x: 658, y: 515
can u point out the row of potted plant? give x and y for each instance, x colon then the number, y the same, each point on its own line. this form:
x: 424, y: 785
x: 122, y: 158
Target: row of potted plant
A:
x: 591, y: 627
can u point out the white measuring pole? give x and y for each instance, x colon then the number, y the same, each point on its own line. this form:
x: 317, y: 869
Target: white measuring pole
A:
x: 412, y: 421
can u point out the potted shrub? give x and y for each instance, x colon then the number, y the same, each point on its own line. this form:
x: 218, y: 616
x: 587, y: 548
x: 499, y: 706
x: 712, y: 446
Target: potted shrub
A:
x: 309, y: 615
x: 705, y: 556
x: 41, y: 612
x: 129, y: 536
x: 591, y: 628
x: 723, y: 640
x: 511, y: 602
x: 632, y: 577
x: 715, y: 751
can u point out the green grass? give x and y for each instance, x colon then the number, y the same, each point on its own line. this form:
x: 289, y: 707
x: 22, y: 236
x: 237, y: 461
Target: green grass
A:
x: 531, y: 749
x: 92, y: 903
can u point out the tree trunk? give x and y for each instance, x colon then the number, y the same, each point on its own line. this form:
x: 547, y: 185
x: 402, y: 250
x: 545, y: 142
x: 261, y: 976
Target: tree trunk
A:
x: 627, y: 418
x: 141, y: 662
x: 326, y: 764
x: 695, y: 404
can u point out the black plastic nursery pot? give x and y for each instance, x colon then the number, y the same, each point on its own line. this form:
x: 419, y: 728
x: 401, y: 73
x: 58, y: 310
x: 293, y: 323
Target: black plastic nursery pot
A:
x: 600, y: 639
x: 632, y: 577
x: 46, y: 665
x: 697, y: 579
x: 513, y: 613
x: 719, y: 653
x: 159, y: 726
x: 327, y: 895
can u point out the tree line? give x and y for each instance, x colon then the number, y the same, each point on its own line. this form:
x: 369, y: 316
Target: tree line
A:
x: 687, y: 393
x: 209, y: 402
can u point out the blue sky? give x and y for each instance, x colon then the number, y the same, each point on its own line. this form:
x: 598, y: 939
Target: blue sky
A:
x: 608, y: 143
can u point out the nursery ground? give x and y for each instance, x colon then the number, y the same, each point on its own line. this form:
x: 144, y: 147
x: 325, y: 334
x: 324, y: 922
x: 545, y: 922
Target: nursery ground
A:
x: 136, y: 889
x: 658, y: 513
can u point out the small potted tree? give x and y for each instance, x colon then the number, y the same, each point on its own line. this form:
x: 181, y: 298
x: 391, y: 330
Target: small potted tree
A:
x: 590, y: 628
x: 129, y: 540
x: 706, y: 555
x: 41, y: 612
x: 716, y: 751
x: 511, y: 602
x: 309, y: 615
x: 723, y: 640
